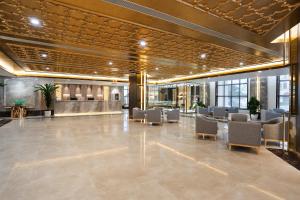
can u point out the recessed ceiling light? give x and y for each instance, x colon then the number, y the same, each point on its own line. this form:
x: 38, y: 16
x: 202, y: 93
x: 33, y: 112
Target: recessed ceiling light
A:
x: 44, y: 55
x: 191, y: 72
x: 95, y: 72
x: 143, y: 43
x: 156, y: 68
x: 35, y: 22
x: 114, y: 69
x: 203, y: 56
x: 110, y: 63
x: 259, y: 71
x: 47, y: 68
x: 241, y: 63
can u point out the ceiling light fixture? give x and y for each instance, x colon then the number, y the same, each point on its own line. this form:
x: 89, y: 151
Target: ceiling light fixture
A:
x: 110, y: 63
x: 191, y: 72
x: 241, y: 63
x: 203, y: 56
x: 156, y: 68
x: 44, y: 55
x: 95, y: 72
x: 143, y: 43
x: 35, y: 22
x: 47, y: 68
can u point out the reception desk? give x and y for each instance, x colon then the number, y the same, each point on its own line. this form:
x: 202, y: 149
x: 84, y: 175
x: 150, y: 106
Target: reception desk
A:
x: 86, y: 106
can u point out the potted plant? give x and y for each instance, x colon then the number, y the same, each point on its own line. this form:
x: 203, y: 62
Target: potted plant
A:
x: 253, y: 106
x: 48, y: 91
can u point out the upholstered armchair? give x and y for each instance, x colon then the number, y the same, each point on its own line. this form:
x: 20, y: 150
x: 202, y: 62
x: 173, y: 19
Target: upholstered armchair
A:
x: 240, y: 117
x: 138, y: 114
x: 154, y: 116
x: 202, y: 111
x: 173, y: 115
x: 233, y: 110
x: 245, y: 134
x: 267, y: 115
x: 206, y: 127
x: 274, y: 131
x: 220, y: 112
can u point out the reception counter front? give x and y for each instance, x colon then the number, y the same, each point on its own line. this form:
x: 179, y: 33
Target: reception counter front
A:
x: 86, y: 106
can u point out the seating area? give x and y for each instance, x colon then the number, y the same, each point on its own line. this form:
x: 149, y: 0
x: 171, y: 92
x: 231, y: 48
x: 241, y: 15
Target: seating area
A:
x: 242, y: 131
x: 156, y: 115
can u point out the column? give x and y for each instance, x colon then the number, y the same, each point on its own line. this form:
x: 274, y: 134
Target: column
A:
x: 137, y: 91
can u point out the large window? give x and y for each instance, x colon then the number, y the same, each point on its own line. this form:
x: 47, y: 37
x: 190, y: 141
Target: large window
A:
x: 283, y: 92
x: 232, y: 93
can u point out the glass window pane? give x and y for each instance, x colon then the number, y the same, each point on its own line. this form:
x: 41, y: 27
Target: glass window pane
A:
x: 228, y: 82
x: 235, y: 90
x: 243, y: 102
x: 284, y: 88
x: 235, y: 81
x: 235, y: 102
x: 227, y: 102
x: 220, y: 101
x: 284, y: 103
x: 243, y: 80
x: 227, y: 90
x: 220, y: 82
x: 284, y: 77
x: 220, y: 90
x: 243, y: 89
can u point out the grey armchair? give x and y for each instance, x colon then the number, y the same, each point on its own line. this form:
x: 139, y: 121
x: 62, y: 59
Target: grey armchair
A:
x: 219, y: 112
x: 274, y: 131
x: 233, y: 110
x: 240, y: 117
x: 206, y: 127
x: 202, y: 111
x: 173, y: 115
x: 154, y: 116
x: 245, y: 134
x: 138, y: 114
x: 267, y: 115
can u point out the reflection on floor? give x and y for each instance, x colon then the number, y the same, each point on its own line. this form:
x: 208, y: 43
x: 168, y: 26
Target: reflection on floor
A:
x: 109, y: 157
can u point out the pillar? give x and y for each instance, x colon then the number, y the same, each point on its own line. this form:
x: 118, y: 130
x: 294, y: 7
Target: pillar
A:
x: 137, y: 91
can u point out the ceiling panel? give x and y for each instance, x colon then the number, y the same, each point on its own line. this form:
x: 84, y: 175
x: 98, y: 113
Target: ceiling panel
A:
x: 258, y: 16
x: 171, y: 54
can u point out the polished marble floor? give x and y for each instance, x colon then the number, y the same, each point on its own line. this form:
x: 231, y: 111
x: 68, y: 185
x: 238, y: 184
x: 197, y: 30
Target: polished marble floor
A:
x: 109, y: 157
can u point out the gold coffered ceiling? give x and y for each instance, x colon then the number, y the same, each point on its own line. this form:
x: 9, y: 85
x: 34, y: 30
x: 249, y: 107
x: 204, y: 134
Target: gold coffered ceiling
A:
x: 259, y: 16
x: 83, y: 42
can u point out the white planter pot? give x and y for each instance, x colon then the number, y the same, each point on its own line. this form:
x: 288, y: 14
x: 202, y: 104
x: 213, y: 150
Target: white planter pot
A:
x: 254, y: 117
x: 47, y: 113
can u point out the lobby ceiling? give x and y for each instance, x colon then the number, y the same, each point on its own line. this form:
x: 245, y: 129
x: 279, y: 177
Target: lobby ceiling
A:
x: 81, y: 38
x: 258, y: 16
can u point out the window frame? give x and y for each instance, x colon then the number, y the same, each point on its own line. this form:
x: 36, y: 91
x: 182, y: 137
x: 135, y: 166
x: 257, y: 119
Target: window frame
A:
x: 231, y: 96
x: 278, y: 95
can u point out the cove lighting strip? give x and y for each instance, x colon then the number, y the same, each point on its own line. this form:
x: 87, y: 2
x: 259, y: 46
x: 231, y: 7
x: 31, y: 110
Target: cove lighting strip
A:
x: 223, y: 72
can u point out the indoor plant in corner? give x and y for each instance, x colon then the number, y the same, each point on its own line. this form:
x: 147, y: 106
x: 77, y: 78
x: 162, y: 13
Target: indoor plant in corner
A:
x: 47, y: 91
x: 253, y: 106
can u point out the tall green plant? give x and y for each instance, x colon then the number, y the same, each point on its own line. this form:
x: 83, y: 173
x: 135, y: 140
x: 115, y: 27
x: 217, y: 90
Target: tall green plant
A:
x: 48, y: 91
x: 253, y: 105
x: 200, y: 104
